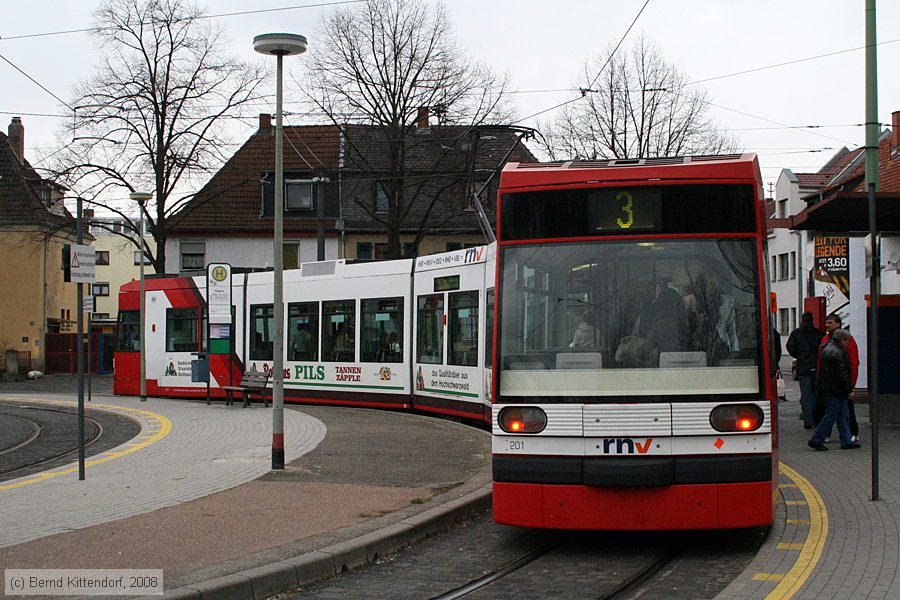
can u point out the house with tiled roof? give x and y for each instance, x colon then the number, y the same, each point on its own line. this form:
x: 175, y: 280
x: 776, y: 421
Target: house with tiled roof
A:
x: 34, y: 226
x: 796, y: 274
x: 344, y: 170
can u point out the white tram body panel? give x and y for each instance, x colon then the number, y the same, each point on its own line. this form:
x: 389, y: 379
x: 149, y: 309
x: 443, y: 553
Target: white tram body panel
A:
x: 453, y: 314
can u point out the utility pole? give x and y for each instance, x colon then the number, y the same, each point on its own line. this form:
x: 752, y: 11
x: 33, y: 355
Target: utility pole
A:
x: 873, y: 129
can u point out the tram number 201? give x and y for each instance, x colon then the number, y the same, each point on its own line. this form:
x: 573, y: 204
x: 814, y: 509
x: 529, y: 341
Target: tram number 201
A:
x: 515, y: 445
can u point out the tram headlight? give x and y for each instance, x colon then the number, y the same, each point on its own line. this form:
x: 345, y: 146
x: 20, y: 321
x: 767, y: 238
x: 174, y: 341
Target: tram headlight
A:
x: 522, y: 419
x: 736, y: 417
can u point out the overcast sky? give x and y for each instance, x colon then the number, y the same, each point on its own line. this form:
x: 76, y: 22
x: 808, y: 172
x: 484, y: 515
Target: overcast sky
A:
x: 542, y: 46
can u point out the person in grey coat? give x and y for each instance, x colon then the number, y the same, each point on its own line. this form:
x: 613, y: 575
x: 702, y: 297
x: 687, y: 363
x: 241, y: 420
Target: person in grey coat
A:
x: 835, y: 385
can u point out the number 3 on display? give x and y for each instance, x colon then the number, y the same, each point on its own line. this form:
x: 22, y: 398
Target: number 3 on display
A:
x: 627, y: 209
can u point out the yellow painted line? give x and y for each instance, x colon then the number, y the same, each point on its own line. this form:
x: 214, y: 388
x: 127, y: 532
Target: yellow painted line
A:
x: 797, y: 521
x: 796, y: 502
x: 789, y: 546
x: 787, y: 485
x: 768, y: 577
x: 159, y: 423
x: 811, y: 548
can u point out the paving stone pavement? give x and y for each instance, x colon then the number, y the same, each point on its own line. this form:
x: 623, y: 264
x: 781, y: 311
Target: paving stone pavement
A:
x: 207, y: 449
x: 830, y: 540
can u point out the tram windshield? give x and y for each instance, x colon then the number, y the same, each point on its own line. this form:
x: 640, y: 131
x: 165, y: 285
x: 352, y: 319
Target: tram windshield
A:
x: 629, y: 320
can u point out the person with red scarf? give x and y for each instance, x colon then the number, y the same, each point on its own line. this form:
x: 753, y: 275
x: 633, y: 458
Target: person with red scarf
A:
x: 833, y: 322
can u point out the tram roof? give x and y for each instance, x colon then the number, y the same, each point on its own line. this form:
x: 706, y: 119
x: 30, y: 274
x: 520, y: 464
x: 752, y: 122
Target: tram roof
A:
x: 733, y: 167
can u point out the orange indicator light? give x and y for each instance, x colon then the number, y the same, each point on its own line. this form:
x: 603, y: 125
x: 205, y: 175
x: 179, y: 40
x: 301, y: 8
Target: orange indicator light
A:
x: 515, y: 425
x: 746, y: 424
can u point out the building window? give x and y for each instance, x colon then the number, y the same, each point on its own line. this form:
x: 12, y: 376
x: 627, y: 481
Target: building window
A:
x: 382, y: 330
x: 364, y: 250
x: 782, y: 266
x: 782, y: 209
x: 193, y: 255
x: 339, y: 331
x: 262, y: 331
x: 451, y: 246
x: 793, y: 319
x: 298, y: 194
x: 382, y: 204
x: 101, y: 289
x: 784, y: 319
x: 102, y: 257
x: 100, y: 317
x: 793, y: 266
x: 137, y: 258
x: 381, y: 251
x: 291, y: 255
x: 773, y: 274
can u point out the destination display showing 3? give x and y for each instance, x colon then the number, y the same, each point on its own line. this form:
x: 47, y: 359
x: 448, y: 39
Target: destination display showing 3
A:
x: 634, y: 209
x: 586, y: 212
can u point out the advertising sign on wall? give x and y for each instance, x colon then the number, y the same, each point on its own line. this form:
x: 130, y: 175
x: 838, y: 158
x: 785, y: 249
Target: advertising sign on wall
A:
x: 832, y: 274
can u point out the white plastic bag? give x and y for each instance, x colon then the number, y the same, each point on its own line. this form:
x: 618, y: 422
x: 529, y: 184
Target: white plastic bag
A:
x: 779, y: 382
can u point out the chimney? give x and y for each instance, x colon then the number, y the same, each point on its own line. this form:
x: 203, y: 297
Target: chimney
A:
x: 895, y: 130
x: 422, y: 118
x: 17, y: 138
x: 265, y: 122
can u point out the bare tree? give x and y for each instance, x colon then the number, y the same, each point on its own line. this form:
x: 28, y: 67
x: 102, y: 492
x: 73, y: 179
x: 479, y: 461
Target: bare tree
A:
x: 377, y: 65
x: 636, y: 106
x: 151, y: 117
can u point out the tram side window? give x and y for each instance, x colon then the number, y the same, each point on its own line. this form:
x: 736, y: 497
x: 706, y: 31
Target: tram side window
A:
x: 382, y: 330
x: 128, y: 332
x: 181, y: 329
x: 430, y: 331
x: 262, y: 329
x: 464, y: 328
x: 303, y: 331
x: 489, y: 329
x: 339, y: 331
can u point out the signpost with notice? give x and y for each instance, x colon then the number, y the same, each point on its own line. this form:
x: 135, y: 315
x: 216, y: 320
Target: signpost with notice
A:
x: 220, y: 328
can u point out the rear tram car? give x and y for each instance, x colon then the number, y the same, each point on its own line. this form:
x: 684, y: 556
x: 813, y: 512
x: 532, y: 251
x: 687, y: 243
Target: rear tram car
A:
x: 633, y: 388
x: 402, y: 334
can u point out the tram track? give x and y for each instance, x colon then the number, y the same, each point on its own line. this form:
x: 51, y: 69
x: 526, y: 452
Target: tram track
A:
x: 620, y: 585
x: 53, y: 438
x: 547, y: 545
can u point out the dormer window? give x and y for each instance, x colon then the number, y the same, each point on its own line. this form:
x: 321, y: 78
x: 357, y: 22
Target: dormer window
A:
x: 381, y: 199
x: 298, y: 194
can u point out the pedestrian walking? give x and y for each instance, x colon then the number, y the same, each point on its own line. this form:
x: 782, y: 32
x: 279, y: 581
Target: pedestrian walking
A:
x: 833, y: 323
x: 803, y: 344
x: 835, y: 385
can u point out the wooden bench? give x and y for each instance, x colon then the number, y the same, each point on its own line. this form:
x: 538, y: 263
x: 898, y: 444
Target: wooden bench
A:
x: 254, y: 384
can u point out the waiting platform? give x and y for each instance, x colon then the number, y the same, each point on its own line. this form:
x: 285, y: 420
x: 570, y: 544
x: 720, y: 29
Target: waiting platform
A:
x: 194, y: 495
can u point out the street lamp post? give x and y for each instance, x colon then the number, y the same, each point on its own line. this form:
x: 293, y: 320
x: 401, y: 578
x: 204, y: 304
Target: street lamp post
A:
x: 278, y: 45
x: 141, y: 198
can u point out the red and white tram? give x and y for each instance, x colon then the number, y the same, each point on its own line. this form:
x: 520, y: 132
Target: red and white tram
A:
x: 405, y: 334
x: 633, y: 385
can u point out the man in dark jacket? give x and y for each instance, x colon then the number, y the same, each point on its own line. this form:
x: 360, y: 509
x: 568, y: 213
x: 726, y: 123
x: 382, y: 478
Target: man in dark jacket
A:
x: 835, y: 385
x: 803, y: 344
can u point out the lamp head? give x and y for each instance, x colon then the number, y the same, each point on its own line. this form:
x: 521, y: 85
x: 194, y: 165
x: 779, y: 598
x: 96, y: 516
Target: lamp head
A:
x: 279, y: 44
x: 140, y: 197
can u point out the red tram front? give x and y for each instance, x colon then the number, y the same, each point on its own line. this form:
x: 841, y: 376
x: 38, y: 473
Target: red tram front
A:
x: 633, y: 380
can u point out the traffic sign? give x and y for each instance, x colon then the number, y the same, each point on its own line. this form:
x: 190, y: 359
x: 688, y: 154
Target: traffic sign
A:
x: 218, y: 292
x: 82, y: 259
x: 87, y: 304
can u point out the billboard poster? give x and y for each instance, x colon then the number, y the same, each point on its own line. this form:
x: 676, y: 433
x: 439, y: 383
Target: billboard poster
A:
x: 832, y: 274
